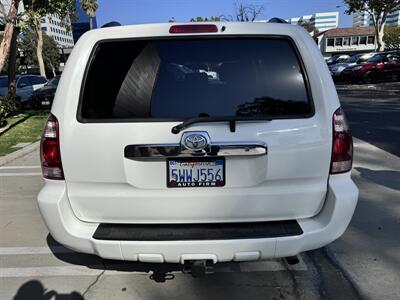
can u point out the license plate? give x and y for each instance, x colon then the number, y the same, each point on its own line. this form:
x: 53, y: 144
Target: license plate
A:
x: 45, y: 102
x: 196, y: 172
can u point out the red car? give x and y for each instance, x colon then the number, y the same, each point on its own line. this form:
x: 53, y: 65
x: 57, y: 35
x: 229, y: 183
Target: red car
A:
x: 380, y: 67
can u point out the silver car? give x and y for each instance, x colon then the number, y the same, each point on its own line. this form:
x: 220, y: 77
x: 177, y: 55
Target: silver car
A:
x: 26, y: 85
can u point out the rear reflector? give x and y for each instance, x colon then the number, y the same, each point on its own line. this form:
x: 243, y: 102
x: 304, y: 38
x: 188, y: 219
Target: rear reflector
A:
x: 197, y: 28
x: 342, y: 148
x: 50, y: 151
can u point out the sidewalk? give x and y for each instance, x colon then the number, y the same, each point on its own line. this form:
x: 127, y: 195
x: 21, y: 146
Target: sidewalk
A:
x: 369, y: 251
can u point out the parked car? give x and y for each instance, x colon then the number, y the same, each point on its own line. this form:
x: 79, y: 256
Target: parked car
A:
x: 26, y: 85
x: 43, y: 97
x: 336, y: 59
x: 154, y: 165
x: 337, y: 69
x: 383, y: 66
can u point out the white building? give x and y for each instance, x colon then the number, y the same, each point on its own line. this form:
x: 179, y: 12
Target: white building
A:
x: 321, y: 21
x: 347, y: 41
x: 53, y: 26
x: 363, y: 19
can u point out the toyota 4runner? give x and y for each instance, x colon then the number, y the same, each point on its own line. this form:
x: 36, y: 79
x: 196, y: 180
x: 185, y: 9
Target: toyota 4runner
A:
x: 186, y: 142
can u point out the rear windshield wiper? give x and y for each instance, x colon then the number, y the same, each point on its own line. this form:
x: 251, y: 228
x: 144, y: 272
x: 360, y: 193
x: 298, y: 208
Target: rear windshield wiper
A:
x: 232, y: 122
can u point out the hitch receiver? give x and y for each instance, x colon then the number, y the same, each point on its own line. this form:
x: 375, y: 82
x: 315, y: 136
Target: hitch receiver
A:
x: 198, y: 268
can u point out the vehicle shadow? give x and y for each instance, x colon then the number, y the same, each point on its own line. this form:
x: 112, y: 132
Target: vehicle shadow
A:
x: 95, y: 262
x: 389, y: 179
x: 34, y: 290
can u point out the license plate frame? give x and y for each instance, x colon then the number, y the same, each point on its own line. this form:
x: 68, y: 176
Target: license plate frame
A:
x: 192, y: 184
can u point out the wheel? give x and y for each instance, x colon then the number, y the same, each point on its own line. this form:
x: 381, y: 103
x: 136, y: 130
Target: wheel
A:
x: 369, y: 77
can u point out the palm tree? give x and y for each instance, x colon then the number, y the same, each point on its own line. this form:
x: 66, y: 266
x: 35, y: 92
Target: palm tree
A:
x: 8, y: 32
x: 90, y: 7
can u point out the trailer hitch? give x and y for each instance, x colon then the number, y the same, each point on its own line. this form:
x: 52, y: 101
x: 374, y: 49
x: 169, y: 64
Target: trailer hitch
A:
x: 160, y: 276
x: 198, y: 268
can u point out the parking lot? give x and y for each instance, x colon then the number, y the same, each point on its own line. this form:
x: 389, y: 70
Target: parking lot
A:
x: 363, y: 264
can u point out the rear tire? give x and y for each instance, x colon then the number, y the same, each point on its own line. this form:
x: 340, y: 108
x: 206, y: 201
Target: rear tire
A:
x: 369, y: 77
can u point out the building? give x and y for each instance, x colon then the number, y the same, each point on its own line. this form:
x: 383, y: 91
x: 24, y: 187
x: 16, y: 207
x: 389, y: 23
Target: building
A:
x: 321, y: 21
x: 82, y: 24
x: 53, y: 26
x: 363, y: 19
x: 347, y: 40
x: 4, y: 8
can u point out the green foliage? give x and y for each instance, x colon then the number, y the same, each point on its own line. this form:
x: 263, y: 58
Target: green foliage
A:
x: 201, y: 19
x: 28, y: 43
x: 36, y: 9
x: 392, y: 37
x: 308, y: 26
x: 90, y: 7
x: 371, y: 5
x: 28, y: 131
x: 378, y: 10
x: 8, y: 107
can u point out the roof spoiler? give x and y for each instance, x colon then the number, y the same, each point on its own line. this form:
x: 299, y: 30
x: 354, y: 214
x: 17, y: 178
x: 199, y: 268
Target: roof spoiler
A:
x: 111, y: 24
x: 277, y: 20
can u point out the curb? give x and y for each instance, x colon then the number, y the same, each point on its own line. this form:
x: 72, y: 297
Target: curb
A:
x: 388, y: 87
x: 19, y: 153
x: 8, y: 127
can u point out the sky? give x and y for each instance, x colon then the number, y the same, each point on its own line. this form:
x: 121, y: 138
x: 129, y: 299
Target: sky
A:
x: 157, y: 11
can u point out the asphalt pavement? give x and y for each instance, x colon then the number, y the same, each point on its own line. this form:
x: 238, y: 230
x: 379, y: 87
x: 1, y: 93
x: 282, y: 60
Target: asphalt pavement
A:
x: 363, y: 264
x: 374, y: 113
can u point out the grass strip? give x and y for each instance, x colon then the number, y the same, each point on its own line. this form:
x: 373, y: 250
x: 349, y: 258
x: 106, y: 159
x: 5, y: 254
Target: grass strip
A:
x: 28, y: 131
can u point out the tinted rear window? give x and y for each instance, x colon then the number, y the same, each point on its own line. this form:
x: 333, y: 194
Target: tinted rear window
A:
x: 184, y: 78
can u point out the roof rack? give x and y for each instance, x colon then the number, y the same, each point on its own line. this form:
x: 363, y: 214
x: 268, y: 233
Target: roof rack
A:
x: 277, y: 20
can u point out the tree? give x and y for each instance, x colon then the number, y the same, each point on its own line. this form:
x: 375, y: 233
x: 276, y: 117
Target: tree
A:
x: 308, y: 26
x: 392, y: 37
x: 201, y: 19
x: 378, y: 11
x: 244, y: 13
x: 8, y: 32
x: 51, y: 54
x: 35, y: 10
x: 248, y: 13
x: 90, y: 7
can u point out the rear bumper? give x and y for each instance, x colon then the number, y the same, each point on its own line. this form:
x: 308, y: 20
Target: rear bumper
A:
x: 318, y: 231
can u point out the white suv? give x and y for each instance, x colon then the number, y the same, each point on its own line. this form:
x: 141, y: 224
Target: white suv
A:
x: 196, y: 142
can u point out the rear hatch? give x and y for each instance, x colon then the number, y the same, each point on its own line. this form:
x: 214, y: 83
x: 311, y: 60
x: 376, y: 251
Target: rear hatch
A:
x: 259, y: 149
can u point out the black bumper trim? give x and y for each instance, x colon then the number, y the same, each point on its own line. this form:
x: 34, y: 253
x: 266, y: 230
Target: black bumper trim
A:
x: 204, y: 231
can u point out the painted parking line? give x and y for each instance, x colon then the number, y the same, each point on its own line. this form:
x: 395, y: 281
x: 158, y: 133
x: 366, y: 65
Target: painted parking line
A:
x: 50, y: 271
x: 94, y: 270
x: 34, y: 250
x: 19, y: 167
x: 19, y: 174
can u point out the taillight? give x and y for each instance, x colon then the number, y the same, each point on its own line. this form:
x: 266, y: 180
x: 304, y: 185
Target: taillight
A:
x: 50, y: 150
x: 342, y: 149
x: 195, y: 28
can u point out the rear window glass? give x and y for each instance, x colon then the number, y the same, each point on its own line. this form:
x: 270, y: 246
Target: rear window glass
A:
x: 185, y: 78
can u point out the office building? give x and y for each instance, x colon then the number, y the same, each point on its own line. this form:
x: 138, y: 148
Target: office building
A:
x: 321, y: 21
x: 363, y: 19
x: 53, y: 26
